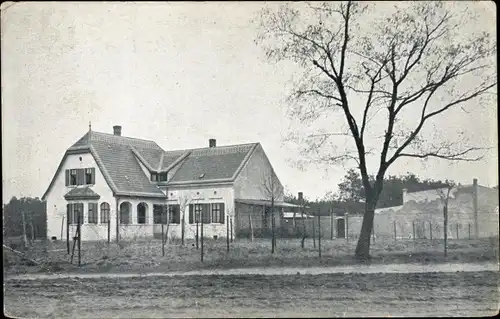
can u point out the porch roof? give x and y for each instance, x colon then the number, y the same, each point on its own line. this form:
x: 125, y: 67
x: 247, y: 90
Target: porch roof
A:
x: 79, y: 193
x: 265, y: 202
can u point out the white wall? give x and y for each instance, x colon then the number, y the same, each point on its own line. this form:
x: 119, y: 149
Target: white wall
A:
x: 56, y: 203
x: 134, y: 230
x: 201, y: 195
x: 255, y: 174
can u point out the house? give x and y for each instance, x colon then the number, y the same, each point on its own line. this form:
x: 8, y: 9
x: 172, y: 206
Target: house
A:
x: 127, y: 187
x: 472, y: 212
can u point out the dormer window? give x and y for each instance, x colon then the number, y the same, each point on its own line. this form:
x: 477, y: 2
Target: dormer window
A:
x: 154, y: 177
x: 163, y: 177
x: 80, y: 176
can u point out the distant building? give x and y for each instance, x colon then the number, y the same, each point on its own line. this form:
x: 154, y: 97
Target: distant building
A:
x: 472, y: 211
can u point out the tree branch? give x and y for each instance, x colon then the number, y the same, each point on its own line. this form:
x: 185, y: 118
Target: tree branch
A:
x: 457, y: 156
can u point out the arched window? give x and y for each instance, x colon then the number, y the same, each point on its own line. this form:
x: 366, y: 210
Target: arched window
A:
x: 142, y: 216
x: 125, y: 213
x: 104, y: 213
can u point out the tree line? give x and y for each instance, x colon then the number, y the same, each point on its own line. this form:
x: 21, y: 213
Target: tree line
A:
x: 25, y: 215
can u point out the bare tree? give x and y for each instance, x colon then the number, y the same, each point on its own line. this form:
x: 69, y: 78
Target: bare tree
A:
x: 184, y: 200
x: 445, y: 194
x: 410, y: 63
x: 273, y: 191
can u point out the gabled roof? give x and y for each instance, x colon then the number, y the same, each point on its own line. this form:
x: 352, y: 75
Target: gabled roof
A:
x: 81, y: 193
x: 119, y: 158
x: 213, y: 164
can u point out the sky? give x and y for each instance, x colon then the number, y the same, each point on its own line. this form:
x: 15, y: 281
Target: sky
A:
x: 176, y: 73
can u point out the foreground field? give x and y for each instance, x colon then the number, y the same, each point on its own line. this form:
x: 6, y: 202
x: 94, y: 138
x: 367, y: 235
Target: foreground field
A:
x: 146, y: 256
x: 334, y: 295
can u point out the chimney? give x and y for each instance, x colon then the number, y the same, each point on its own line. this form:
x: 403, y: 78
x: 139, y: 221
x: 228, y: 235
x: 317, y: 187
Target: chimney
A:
x: 300, y: 196
x: 405, y: 191
x: 117, y: 130
x: 211, y: 142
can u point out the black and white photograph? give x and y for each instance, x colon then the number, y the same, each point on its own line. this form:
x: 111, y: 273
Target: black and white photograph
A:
x: 245, y: 159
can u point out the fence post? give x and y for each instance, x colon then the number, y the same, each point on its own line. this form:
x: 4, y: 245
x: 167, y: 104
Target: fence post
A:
x: 347, y: 226
x: 394, y: 224
x: 109, y: 231
x: 469, y: 231
x: 272, y: 232
x: 231, y: 220
x: 25, y: 238
x: 79, y: 240
x: 319, y: 233
x: 197, y: 217
x: 162, y: 239
x: 314, y: 233
x: 331, y: 224
x: 413, y: 227
x: 251, y: 227
x: 201, y: 238
x: 430, y: 228
x: 32, y: 230
x: 457, y: 231
x: 62, y: 226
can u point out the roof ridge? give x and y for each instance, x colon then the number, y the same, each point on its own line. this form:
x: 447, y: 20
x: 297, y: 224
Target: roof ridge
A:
x: 208, y: 147
x: 128, y: 137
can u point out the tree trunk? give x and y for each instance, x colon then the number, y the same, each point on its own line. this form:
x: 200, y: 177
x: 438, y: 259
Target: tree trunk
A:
x: 363, y: 247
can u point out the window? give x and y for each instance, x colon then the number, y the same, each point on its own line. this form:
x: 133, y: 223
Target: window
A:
x: 175, y: 214
x: 198, y: 210
x: 73, y: 211
x: 125, y: 213
x: 154, y: 177
x: 158, y: 213
x: 163, y: 177
x: 92, y: 214
x: 142, y: 213
x: 104, y: 213
x: 209, y: 213
x: 218, y: 213
x: 80, y: 176
x: 90, y: 176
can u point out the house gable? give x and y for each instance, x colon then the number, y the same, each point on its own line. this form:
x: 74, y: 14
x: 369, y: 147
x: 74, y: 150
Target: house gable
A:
x: 254, y: 177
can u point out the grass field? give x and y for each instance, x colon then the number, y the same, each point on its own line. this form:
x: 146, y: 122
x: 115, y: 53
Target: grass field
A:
x: 333, y: 295
x: 144, y: 256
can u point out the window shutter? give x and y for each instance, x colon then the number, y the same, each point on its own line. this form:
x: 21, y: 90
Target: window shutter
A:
x: 96, y: 212
x: 93, y: 175
x: 222, y: 213
x: 67, y: 177
x: 191, y: 213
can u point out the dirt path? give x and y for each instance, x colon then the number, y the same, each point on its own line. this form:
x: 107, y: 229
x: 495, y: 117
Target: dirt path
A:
x: 362, y: 269
x: 326, y: 295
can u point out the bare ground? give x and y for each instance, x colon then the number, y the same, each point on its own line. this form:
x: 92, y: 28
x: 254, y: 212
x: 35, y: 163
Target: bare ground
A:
x: 333, y: 295
x: 146, y: 256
